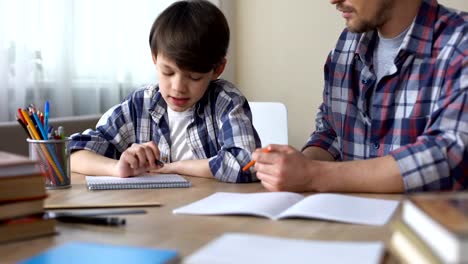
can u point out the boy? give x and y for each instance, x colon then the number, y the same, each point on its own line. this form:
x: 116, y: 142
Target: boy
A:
x: 194, y: 123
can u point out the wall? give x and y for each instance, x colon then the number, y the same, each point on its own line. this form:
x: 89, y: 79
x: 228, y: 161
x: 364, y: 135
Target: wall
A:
x: 281, y: 47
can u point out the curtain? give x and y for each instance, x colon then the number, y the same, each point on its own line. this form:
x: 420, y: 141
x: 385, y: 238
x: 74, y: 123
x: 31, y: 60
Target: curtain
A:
x: 83, y: 56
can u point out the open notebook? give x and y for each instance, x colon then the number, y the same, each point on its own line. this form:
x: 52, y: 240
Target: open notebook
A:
x: 280, y: 205
x: 145, y: 181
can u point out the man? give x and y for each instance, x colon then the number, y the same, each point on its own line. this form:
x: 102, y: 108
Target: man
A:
x: 395, y: 109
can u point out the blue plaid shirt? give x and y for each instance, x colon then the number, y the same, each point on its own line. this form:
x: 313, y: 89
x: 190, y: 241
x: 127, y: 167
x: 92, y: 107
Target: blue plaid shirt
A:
x: 418, y: 113
x: 221, y: 129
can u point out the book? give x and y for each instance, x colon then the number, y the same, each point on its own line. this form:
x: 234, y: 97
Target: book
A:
x: 21, y: 207
x: 26, y: 228
x: 145, y: 181
x: 441, y: 222
x: 408, y: 247
x: 13, y: 164
x: 78, y: 253
x: 247, y: 248
x: 17, y: 187
x: 279, y: 205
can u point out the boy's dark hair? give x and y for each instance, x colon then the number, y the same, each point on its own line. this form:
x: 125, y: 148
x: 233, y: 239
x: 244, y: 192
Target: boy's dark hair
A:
x: 195, y: 34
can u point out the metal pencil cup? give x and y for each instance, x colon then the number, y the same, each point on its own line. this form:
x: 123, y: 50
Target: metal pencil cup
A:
x: 54, y: 160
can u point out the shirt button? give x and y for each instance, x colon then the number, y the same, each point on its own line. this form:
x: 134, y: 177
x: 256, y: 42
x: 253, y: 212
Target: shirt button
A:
x: 365, y: 81
x: 376, y: 145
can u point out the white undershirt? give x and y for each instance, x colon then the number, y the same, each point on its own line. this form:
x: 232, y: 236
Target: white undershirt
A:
x: 385, y: 54
x: 178, y: 123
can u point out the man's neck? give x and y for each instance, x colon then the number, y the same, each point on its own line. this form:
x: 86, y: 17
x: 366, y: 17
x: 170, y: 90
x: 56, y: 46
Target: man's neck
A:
x: 401, y: 17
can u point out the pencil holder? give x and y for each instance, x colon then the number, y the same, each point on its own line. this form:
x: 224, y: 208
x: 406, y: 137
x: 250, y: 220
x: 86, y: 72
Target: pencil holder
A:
x: 54, y: 160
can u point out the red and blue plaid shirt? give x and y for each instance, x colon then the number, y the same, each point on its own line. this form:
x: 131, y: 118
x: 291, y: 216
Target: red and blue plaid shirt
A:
x: 221, y: 129
x: 418, y: 113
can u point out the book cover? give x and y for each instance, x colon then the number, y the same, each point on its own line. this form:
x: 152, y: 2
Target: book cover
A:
x: 145, y: 181
x: 408, y: 247
x: 78, y: 253
x: 16, y: 165
x: 21, y: 187
x: 25, y: 228
x: 282, y: 205
x: 441, y: 222
x: 450, y: 212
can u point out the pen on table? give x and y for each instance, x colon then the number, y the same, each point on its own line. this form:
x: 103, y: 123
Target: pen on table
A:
x: 93, y: 220
x: 252, y: 162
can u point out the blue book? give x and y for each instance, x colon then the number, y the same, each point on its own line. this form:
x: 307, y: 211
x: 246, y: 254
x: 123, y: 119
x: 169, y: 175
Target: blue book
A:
x: 79, y: 253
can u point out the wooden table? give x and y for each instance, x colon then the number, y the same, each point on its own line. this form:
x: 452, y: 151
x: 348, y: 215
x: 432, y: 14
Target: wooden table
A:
x: 159, y: 228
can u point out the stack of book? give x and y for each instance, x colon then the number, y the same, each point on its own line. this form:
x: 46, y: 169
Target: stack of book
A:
x: 22, y: 195
x: 433, y: 229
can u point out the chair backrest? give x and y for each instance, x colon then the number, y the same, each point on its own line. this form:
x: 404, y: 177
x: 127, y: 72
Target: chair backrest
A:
x: 270, y: 119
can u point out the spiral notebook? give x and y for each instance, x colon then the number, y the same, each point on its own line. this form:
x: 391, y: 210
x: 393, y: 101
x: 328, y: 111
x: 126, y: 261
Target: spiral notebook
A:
x: 145, y: 181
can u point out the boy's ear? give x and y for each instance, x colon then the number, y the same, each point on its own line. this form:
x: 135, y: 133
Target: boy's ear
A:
x: 154, y: 57
x: 219, y: 69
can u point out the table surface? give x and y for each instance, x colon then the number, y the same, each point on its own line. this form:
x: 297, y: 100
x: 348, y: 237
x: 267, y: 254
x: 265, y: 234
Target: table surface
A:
x: 159, y: 228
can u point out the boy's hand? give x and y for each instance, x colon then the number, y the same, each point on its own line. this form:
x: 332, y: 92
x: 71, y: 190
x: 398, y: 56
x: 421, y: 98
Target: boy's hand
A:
x: 137, y: 159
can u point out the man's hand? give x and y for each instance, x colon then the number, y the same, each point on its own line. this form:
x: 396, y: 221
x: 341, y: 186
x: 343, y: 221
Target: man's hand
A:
x: 283, y: 168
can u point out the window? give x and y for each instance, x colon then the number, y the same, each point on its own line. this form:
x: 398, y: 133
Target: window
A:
x: 82, y: 55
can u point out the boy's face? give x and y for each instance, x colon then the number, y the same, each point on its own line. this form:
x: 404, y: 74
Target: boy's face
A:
x: 182, y: 89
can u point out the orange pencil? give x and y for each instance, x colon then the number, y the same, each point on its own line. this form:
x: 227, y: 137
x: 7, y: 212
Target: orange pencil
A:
x: 252, y: 162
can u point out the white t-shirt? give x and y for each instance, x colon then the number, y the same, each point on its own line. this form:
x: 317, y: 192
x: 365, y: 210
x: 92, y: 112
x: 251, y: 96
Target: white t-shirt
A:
x: 178, y: 123
x: 385, y: 54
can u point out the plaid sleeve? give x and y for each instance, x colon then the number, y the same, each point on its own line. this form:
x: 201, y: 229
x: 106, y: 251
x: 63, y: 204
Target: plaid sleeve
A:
x: 324, y: 135
x: 113, y: 134
x: 237, y: 139
x: 438, y: 160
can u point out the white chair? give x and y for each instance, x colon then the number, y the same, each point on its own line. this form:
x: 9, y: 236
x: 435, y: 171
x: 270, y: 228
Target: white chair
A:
x: 270, y: 119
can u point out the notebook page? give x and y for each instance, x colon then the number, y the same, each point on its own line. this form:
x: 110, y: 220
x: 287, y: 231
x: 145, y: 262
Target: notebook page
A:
x: 261, y: 204
x: 343, y: 208
x: 245, y: 248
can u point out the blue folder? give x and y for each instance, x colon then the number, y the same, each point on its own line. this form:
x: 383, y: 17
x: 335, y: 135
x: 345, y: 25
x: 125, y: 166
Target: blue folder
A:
x: 77, y: 252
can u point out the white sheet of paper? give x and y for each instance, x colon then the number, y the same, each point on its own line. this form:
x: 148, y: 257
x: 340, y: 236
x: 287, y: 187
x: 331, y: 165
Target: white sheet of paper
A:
x: 266, y: 204
x: 343, y: 208
x: 236, y: 248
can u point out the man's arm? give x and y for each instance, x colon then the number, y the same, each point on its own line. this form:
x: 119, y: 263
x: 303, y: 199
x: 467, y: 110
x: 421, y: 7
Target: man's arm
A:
x: 317, y: 153
x: 379, y: 175
x: 286, y: 169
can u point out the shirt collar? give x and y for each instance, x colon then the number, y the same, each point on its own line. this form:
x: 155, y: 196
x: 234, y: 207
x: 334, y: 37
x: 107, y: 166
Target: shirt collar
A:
x: 418, y: 39
x: 158, y: 106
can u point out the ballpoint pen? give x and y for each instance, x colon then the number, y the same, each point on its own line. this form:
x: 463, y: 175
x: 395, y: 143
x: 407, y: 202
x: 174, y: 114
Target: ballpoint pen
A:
x: 83, y: 219
x: 61, y: 132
